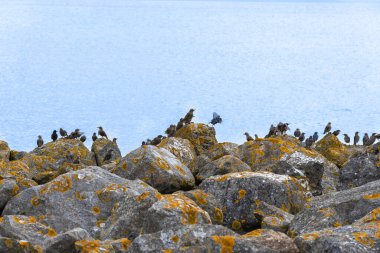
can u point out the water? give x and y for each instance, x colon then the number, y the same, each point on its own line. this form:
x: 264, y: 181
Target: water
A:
x: 135, y: 67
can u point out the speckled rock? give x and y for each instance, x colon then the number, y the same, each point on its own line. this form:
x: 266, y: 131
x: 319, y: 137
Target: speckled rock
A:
x: 107, y: 246
x: 331, y: 148
x: 17, y: 155
x: 272, y: 217
x: 65, y: 242
x: 224, y: 165
x: 101, y: 147
x: 240, y: 193
x: 157, y: 167
x: 336, y: 209
x: 10, y: 245
x: 4, y: 151
x: 16, y: 169
x: 200, y: 135
x: 223, y: 148
x: 81, y: 198
x: 10, y: 187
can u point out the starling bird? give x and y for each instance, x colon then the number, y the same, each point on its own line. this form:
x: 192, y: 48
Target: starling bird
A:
x: 347, y: 138
x: 156, y: 140
x: 256, y: 136
x: 336, y: 132
x: 302, y: 137
x: 365, y: 139
x: 62, y: 132
x: 94, y: 137
x: 40, y: 141
x: 327, y: 128
x: 272, y: 131
x: 114, y: 140
x: 75, y: 134
x: 371, y: 140
x: 249, y: 138
x: 356, y: 138
x: 309, y: 142
x: 179, y: 124
x: 282, y: 127
x: 315, y: 137
x: 83, y: 138
x: 54, y: 135
x: 143, y: 143
x: 108, y: 156
x: 170, y: 131
x: 102, y: 133
x: 189, y: 116
x: 297, y: 133
x: 216, y: 119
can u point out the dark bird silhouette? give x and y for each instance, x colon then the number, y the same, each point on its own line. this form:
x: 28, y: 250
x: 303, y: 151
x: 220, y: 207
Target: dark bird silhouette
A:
x: 371, y: 140
x: 54, y: 135
x: 315, y: 137
x: 377, y: 136
x: 156, y: 140
x: 302, y: 137
x: 108, y: 156
x: 62, y: 132
x: 356, y: 138
x: 327, y: 128
x: 256, y: 136
x: 76, y: 134
x: 297, y: 133
x: 365, y: 139
x: 170, y: 131
x: 94, y: 137
x: 83, y: 138
x: 114, y: 140
x: 272, y: 131
x: 309, y: 142
x: 40, y: 141
x: 143, y: 143
x: 216, y: 119
x: 248, y: 137
x: 189, y: 116
x: 336, y: 132
x: 102, y: 133
x: 282, y: 128
x: 347, y: 139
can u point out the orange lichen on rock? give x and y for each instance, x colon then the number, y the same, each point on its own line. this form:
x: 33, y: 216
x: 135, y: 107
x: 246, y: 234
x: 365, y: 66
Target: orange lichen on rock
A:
x: 218, y: 215
x: 328, y: 212
x: 225, y: 242
x: 372, y: 196
x: 62, y: 184
x: 242, y: 193
x: 142, y: 196
x: 162, y: 163
x: 28, y: 220
x: 175, y: 238
x: 363, y: 238
x: 51, y: 232
x: 310, y: 236
x: 236, y: 225
x: 201, y: 197
x: 125, y: 243
x: 96, y: 210
x: 255, y: 233
x: 35, y: 201
x: 188, y: 207
x: 331, y: 148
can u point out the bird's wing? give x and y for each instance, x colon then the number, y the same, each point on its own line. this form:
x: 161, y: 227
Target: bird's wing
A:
x: 215, y: 115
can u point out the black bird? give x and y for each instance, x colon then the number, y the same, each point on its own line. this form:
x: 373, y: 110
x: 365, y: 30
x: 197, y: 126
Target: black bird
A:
x: 179, y: 124
x: 356, y: 138
x: 62, y: 132
x: 248, y: 137
x: 170, y: 131
x: 371, y: 140
x: 272, y: 131
x: 309, y: 142
x: 102, y: 133
x: 336, y: 132
x: 83, y: 138
x: 315, y: 137
x: 94, y: 137
x: 54, y: 135
x: 189, y: 116
x: 143, y: 143
x: 365, y: 139
x: 297, y: 133
x: 347, y: 138
x: 114, y: 140
x: 40, y: 141
x: 302, y: 137
x: 216, y: 119
x: 108, y: 156
x: 256, y: 136
x: 327, y: 128
x: 282, y: 128
x: 76, y: 134
x: 156, y: 140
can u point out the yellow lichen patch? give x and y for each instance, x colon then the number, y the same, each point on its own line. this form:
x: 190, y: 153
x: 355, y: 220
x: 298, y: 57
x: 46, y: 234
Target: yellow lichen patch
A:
x: 161, y: 163
x: 221, y: 178
x: 200, y: 197
x: 175, y: 238
x: 35, y: 201
x: 188, y: 207
x: 363, y: 238
x: 80, y: 196
x: 142, y: 196
x: 88, y: 246
x: 255, y: 233
x: 124, y: 166
x: 30, y: 219
x: 63, y: 184
x: 125, y: 243
x: 51, y: 232
x: 225, y: 242
x: 242, y: 193
x: 181, y: 171
x: 327, y: 212
x: 167, y: 251
x: 337, y: 224
x: 236, y: 225
x: 284, y: 207
x: 15, y: 189
x: 372, y: 196
x: 310, y: 236
x: 218, y: 215
x: 96, y: 210
x: 8, y: 243
x: 23, y: 243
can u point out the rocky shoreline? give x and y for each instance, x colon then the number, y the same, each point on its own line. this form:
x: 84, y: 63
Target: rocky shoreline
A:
x: 191, y: 193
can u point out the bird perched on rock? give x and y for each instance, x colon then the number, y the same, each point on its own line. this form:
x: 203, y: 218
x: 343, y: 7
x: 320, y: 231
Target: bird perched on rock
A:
x: 356, y: 138
x: 297, y: 133
x: 302, y: 137
x: 248, y: 137
x: 179, y: 124
x: 371, y: 140
x: 54, y: 135
x: 282, y: 128
x: 347, y: 139
x: 108, y: 156
x: 272, y: 131
x: 156, y: 140
x: 327, y: 128
x: 216, y: 119
x: 102, y: 133
x: 83, y: 138
x: 94, y: 137
x: 365, y: 139
x: 143, y: 143
x: 309, y: 142
x: 377, y: 136
x: 114, y: 140
x: 336, y: 132
x: 62, y: 132
x: 189, y: 116
x: 315, y: 136
x: 256, y: 136
x: 170, y: 131
x: 40, y: 141
x: 76, y: 134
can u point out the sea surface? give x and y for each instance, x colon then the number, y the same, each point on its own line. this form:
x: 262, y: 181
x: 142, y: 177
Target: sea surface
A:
x: 135, y: 67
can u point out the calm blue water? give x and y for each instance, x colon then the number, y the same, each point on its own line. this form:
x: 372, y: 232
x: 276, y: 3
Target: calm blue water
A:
x: 135, y: 67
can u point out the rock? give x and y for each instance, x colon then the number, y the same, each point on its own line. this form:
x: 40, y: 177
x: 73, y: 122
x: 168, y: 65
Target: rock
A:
x: 336, y: 209
x: 65, y: 242
x: 331, y: 148
x: 10, y: 187
x: 5, y: 151
x: 224, y: 165
x: 101, y: 147
x: 17, y: 155
x: 10, y: 245
x: 81, y: 198
x: 359, y: 170
x: 272, y: 217
x: 221, y: 149
x: 108, y: 246
x: 200, y: 135
x: 182, y: 149
x: 42, y: 168
x: 240, y: 193
x: 157, y: 167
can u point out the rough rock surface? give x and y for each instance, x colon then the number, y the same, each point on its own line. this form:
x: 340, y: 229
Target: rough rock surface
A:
x: 5, y: 151
x: 107, y: 246
x: 331, y: 148
x: 10, y: 187
x: 157, y: 167
x: 272, y: 217
x: 101, y: 147
x: 11, y: 245
x: 65, y: 242
x: 221, y: 149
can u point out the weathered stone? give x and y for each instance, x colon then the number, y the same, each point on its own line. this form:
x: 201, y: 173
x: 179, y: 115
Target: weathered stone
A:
x: 5, y: 151
x: 101, y: 147
x: 336, y: 209
x: 16, y: 169
x: 10, y: 187
x: 200, y: 135
x: 10, y: 245
x: 17, y: 155
x: 223, y: 148
x: 157, y: 167
x: 93, y: 246
x: 240, y: 193
x: 272, y: 217
x: 65, y: 242
x: 331, y: 148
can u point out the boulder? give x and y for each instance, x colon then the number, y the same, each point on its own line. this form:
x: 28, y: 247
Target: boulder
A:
x: 272, y: 217
x: 221, y: 149
x: 200, y: 135
x: 240, y: 193
x: 65, y: 242
x: 10, y: 245
x: 331, y: 148
x: 17, y: 155
x: 15, y: 169
x: 10, y: 187
x: 5, y: 151
x: 101, y: 147
x: 336, y: 209
x: 108, y: 246
x: 157, y: 167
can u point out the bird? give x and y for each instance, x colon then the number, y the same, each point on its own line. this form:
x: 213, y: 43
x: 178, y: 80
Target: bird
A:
x: 336, y: 132
x: 94, y: 137
x: 371, y: 140
x: 62, y: 132
x: 189, y: 116
x: 40, y: 141
x: 315, y: 136
x: 302, y: 137
x: 356, y: 138
x: 54, y: 135
x: 309, y: 142
x: 327, y: 128
x: 249, y: 138
x: 102, y: 133
x: 377, y: 136
x: 297, y: 133
x: 365, y: 139
x: 114, y: 140
x: 108, y: 156
x: 156, y: 140
x: 83, y: 138
x: 179, y: 124
x: 272, y: 131
x: 75, y: 134
x: 170, y: 131
x: 256, y: 136
x: 216, y: 119
x: 143, y: 143
x: 347, y: 138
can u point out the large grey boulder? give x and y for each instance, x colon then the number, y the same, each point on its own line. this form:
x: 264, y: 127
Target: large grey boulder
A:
x: 11, y: 186
x: 101, y: 147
